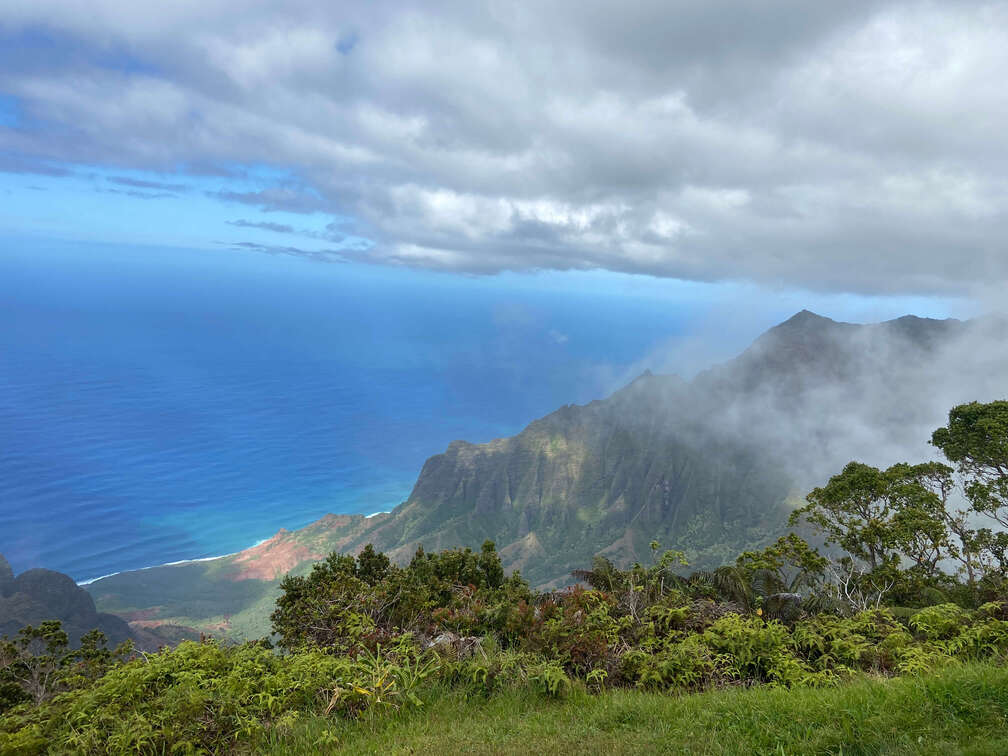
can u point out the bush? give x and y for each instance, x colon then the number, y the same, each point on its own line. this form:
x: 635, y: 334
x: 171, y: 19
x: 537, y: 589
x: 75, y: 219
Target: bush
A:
x: 360, y: 637
x: 207, y: 697
x: 347, y: 605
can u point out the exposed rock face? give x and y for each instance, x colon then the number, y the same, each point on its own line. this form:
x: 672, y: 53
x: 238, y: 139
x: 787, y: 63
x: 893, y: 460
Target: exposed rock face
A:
x: 38, y: 595
x: 273, y: 558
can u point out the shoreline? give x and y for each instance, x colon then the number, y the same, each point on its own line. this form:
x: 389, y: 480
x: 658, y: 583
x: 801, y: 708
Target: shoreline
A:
x: 261, y: 541
x: 89, y: 581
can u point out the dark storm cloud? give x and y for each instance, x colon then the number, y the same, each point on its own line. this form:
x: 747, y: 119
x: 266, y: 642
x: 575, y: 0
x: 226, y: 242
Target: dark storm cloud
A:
x: 834, y: 146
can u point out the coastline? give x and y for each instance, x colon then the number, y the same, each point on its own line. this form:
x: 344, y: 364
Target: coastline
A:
x: 166, y: 564
x: 261, y: 541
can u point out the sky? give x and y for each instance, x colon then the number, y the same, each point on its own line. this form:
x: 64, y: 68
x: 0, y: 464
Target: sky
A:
x: 823, y: 152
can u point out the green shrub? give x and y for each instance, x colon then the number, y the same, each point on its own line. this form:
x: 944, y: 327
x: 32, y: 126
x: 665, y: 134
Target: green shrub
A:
x: 357, y: 638
x: 207, y: 697
x: 939, y: 622
x: 684, y: 665
x: 746, y: 648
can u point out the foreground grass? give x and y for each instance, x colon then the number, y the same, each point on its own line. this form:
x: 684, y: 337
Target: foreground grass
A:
x: 960, y: 710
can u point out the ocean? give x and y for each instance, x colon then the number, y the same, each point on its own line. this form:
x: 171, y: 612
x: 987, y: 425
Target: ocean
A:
x: 161, y: 404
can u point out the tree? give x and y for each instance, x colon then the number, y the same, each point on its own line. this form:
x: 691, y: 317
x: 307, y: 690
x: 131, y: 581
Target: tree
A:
x: 920, y: 523
x: 490, y: 565
x: 372, y: 566
x: 894, y: 525
x: 873, y: 513
x: 788, y: 565
x: 852, y: 511
x: 976, y: 439
x: 349, y: 605
x: 36, y: 659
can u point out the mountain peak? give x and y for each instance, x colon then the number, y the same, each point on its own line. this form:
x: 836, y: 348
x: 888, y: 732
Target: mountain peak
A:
x: 806, y: 319
x: 801, y: 328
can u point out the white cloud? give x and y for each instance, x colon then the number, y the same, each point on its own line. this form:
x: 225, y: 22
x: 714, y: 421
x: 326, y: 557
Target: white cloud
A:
x: 835, y: 146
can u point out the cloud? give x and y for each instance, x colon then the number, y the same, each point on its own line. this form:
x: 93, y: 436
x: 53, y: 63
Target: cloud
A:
x: 146, y: 184
x: 141, y: 195
x: 321, y: 255
x: 280, y: 228
x: 275, y: 199
x: 12, y: 163
x: 831, y: 146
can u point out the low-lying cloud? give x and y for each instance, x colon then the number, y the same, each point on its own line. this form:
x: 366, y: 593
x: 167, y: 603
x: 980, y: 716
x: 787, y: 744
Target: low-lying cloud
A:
x: 817, y: 395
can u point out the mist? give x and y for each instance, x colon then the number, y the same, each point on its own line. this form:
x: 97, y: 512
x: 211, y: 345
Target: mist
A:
x: 812, y: 394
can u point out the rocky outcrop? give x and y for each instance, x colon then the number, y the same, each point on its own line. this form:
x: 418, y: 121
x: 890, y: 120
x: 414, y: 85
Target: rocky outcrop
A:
x: 38, y: 595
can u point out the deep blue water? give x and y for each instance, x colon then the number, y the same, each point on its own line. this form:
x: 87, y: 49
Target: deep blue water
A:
x: 158, y: 405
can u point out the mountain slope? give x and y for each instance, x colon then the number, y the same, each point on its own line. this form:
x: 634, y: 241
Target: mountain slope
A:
x: 705, y: 466
x: 604, y: 478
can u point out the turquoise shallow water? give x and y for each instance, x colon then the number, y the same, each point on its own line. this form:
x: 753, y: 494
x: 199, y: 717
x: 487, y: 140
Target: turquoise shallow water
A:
x: 158, y: 405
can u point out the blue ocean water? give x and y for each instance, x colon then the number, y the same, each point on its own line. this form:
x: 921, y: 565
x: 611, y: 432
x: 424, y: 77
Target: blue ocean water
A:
x: 159, y: 404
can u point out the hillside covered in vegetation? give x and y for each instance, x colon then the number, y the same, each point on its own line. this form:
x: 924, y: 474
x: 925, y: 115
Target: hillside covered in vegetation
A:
x: 916, y: 587
x: 711, y: 467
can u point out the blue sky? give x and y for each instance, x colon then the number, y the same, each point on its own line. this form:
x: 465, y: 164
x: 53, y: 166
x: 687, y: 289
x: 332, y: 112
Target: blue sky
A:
x: 95, y: 203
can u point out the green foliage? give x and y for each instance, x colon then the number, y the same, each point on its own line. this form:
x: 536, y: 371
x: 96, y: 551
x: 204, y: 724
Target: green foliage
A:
x: 976, y: 440
x: 39, y: 663
x: 897, y: 526
x: 553, y: 679
x: 348, y: 605
x: 363, y: 638
x: 368, y: 650
x: 688, y: 664
x: 206, y: 697
x: 939, y: 622
x: 873, y: 514
x: 791, y: 561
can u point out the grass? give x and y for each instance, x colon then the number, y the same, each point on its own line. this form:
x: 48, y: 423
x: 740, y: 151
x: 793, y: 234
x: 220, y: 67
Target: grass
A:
x: 960, y: 710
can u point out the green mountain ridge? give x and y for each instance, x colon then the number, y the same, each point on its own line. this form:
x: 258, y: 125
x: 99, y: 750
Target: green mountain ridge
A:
x: 706, y: 466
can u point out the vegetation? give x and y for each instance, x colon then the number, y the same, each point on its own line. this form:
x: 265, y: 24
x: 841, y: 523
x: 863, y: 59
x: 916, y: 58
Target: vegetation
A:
x: 958, y: 710
x: 712, y: 467
x: 916, y: 588
x: 900, y: 528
